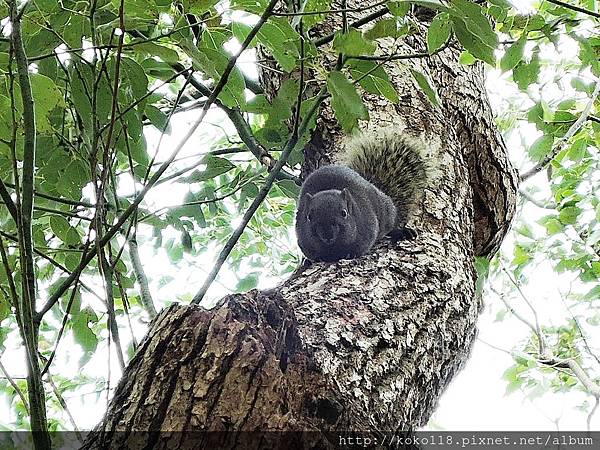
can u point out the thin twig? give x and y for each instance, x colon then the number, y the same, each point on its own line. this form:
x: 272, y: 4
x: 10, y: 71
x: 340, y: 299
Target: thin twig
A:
x: 10, y: 205
x: 356, y: 24
x: 537, y: 203
x: 535, y: 315
x: 145, y: 96
x: 15, y: 386
x: 112, y: 47
x: 62, y: 328
x: 140, y: 276
x: 66, y: 201
x: 54, y: 262
x: 516, y: 314
x: 591, y: 414
x: 575, y: 8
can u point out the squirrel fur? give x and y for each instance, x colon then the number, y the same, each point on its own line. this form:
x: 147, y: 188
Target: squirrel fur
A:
x: 345, y: 208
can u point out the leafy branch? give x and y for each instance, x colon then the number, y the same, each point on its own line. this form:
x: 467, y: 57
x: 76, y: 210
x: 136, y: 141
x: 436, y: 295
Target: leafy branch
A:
x: 87, y: 258
x: 572, y: 131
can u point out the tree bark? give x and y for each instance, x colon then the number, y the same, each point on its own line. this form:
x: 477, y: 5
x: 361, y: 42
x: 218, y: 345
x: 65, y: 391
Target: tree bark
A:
x: 365, y: 344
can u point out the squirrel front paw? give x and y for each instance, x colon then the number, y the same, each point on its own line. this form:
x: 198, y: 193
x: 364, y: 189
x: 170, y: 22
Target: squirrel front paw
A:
x: 402, y: 234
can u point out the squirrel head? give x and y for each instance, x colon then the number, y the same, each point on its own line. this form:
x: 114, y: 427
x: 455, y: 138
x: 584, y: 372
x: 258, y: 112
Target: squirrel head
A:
x: 329, y: 216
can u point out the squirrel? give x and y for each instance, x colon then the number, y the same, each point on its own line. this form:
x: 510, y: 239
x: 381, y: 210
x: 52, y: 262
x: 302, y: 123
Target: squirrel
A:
x: 345, y: 208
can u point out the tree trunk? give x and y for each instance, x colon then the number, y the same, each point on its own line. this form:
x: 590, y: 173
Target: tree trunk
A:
x: 365, y: 344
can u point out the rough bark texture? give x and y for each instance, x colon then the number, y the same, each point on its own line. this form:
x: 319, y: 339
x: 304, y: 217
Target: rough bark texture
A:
x: 366, y: 344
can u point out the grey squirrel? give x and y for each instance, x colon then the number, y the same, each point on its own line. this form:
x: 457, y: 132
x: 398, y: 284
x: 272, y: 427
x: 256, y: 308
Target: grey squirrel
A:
x: 345, y: 208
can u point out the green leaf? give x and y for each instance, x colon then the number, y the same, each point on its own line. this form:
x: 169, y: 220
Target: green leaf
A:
x: 46, y: 96
x: 247, y: 283
x: 289, y: 188
x: 569, y: 215
x: 253, y: 6
x: 514, y: 54
x: 472, y: 43
x: 167, y: 54
x: 525, y: 74
x: 383, y: 28
x: 211, y: 58
x: 314, y: 6
x: 475, y: 21
x: 280, y: 38
x: 541, y: 147
x: 215, y: 166
x: 398, y: 8
x: 139, y: 153
x: 136, y: 77
x: 4, y: 308
x: 275, y: 130
x: 200, y: 6
x: 373, y: 78
x: 467, y: 58
x: 82, y: 333
x: 431, y: 4
x: 438, y: 32
x: 426, y: 86
x: 81, y: 82
x: 552, y: 224
x: 522, y: 255
x: 63, y: 230
x: 345, y: 101
x: 592, y: 294
x: 139, y: 13
x: 482, y: 266
x: 158, y: 118
x: 5, y: 118
x: 353, y: 43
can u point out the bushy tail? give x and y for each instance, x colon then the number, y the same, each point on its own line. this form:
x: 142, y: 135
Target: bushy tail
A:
x: 392, y: 162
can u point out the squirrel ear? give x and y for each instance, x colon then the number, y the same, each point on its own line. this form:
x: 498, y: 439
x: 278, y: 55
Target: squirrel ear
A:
x: 346, y: 196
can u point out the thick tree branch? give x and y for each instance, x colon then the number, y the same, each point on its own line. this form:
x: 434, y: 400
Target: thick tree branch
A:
x: 493, y: 179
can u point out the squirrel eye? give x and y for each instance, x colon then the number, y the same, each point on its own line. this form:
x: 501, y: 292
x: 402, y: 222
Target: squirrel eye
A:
x: 344, y: 213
